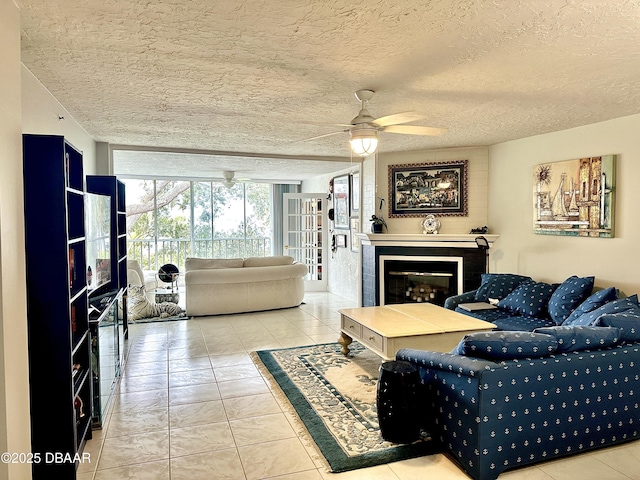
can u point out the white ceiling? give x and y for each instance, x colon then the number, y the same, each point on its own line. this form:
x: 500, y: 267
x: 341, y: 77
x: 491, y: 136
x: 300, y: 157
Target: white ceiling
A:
x: 255, y: 76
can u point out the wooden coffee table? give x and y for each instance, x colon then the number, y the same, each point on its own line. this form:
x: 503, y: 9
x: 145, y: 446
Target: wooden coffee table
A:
x: 387, y: 329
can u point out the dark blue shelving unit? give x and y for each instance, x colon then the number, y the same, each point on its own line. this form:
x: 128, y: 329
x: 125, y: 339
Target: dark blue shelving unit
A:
x: 57, y: 316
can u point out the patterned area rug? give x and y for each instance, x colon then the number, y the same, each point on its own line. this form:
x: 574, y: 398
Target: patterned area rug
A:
x: 335, y: 398
x: 182, y: 316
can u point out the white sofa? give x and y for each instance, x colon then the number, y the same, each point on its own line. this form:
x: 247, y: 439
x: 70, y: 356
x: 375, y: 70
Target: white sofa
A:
x: 234, y: 285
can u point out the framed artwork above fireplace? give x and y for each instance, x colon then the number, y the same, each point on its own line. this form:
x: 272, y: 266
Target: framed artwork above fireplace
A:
x: 420, y: 189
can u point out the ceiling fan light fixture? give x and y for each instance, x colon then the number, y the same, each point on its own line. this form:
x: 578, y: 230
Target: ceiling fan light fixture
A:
x: 364, y: 141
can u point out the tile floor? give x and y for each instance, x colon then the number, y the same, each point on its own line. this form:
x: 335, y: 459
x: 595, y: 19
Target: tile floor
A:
x: 191, y: 405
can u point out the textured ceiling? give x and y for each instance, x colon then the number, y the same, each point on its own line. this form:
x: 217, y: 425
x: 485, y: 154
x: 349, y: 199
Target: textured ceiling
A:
x: 255, y: 76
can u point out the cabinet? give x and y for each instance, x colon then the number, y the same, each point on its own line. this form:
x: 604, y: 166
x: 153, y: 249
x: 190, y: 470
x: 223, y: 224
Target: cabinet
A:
x: 105, y: 322
x: 108, y: 308
x: 57, y: 315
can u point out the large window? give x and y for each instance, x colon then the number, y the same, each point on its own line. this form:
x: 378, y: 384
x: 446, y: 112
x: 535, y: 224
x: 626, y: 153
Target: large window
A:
x: 168, y: 221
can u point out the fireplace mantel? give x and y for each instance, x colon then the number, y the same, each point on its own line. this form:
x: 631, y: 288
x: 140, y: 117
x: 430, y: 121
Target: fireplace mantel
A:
x: 455, y: 240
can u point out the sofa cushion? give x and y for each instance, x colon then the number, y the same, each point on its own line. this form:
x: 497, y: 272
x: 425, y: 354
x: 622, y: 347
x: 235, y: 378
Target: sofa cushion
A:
x: 212, y: 263
x: 497, y: 285
x: 575, y: 338
x: 506, y: 345
x: 571, y: 293
x: 267, y: 261
x: 595, y: 300
x: 616, y: 306
x: 627, y: 322
x: 529, y: 299
x: 504, y: 320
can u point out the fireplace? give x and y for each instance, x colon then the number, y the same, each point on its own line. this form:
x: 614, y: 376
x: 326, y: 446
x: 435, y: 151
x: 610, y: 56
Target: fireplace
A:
x: 438, y: 266
x: 415, y: 279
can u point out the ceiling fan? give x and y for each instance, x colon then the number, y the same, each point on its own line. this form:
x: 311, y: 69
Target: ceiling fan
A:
x: 228, y: 178
x: 364, y: 129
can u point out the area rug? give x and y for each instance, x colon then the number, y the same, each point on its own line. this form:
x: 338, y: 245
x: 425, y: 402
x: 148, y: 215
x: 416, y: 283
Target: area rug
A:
x: 335, y: 398
x: 182, y: 316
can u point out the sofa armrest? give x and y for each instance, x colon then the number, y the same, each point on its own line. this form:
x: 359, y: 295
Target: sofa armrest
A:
x: 460, y: 364
x: 452, y: 302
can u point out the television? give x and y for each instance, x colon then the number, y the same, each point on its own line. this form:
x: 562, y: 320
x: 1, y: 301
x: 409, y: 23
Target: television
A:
x: 98, y: 240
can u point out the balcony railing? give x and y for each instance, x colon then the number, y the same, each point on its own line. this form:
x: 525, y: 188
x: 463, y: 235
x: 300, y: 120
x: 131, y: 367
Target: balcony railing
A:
x: 153, y: 254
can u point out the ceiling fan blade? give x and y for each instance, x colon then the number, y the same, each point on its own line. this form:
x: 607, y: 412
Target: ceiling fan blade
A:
x: 415, y: 130
x: 398, y: 118
x: 319, y: 136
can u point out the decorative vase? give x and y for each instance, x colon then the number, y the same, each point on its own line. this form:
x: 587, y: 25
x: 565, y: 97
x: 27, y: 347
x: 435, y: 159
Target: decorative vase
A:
x: 376, y: 228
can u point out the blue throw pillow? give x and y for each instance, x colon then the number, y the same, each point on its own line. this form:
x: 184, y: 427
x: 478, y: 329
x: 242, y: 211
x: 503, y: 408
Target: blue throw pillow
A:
x: 529, y: 299
x: 628, y: 322
x: 596, y: 300
x: 506, y: 345
x: 571, y: 293
x: 616, y: 306
x: 574, y: 338
x: 498, y: 285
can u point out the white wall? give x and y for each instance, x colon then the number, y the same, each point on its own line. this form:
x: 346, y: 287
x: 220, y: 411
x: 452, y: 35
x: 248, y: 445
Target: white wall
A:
x: 41, y: 112
x: 478, y: 174
x: 14, y: 372
x: 613, y: 261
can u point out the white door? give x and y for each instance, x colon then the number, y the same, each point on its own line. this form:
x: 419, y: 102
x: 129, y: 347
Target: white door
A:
x: 305, y: 235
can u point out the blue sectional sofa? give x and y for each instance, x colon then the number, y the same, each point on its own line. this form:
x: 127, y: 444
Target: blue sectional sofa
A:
x: 559, y: 376
x: 507, y: 399
x: 524, y: 304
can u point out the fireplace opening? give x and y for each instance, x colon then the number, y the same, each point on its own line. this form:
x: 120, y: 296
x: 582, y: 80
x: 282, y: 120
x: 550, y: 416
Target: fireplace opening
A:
x: 420, y: 280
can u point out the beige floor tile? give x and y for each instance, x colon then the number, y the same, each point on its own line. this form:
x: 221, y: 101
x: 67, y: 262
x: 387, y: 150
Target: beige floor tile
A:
x: 219, y: 465
x: 147, y: 357
x: 181, y: 353
x: 141, y: 421
x: 230, y: 359
x: 236, y: 372
x: 305, y: 475
x: 132, y: 449
x: 140, y: 471
x: 253, y: 346
x: 155, y: 381
x: 201, y: 438
x: 192, y: 377
x: 218, y: 338
x: 434, y: 466
x: 251, y: 406
x: 623, y: 458
x: 188, y: 364
x: 584, y: 467
x: 197, y: 413
x: 226, y: 348
x: 193, y: 342
x: 240, y: 388
x: 146, y: 368
x: 204, y: 392
x: 247, y: 431
x: 270, y: 459
x: 135, y: 401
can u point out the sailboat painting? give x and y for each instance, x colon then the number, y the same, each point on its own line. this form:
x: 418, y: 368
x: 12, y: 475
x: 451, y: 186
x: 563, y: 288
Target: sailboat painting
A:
x: 575, y: 197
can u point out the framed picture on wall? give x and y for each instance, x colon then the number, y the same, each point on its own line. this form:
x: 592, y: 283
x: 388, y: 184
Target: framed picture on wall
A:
x: 575, y: 197
x: 355, y: 228
x: 420, y: 189
x: 341, y: 240
x: 355, y: 192
x: 341, y: 202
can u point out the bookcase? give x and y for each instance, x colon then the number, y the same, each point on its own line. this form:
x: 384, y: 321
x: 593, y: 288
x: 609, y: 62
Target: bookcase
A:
x: 57, y: 316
